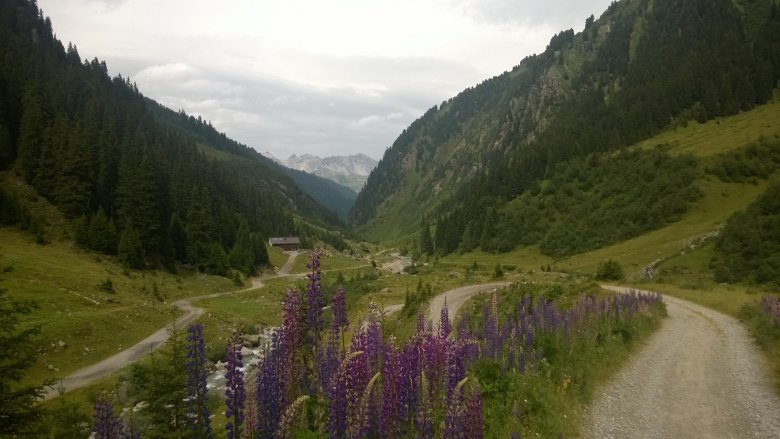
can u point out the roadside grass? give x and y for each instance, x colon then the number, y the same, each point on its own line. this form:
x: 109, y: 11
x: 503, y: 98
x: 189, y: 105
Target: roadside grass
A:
x: 78, y: 307
x: 766, y: 333
x: 551, y: 401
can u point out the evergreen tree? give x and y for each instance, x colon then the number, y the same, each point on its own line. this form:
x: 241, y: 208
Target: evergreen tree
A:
x: 261, y: 252
x: 178, y: 238
x: 242, y: 256
x: 217, y: 262
x: 426, y: 241
x: 131, y: 249
x: 31, y: 129
x: 20, y: 412
x: 161, y: 383
x: 197, y: 393
x: 102, y: 233
x: 6, y: 149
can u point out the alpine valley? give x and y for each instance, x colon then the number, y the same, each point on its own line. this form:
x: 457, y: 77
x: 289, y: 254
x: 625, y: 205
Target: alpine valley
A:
x: 456, y: 288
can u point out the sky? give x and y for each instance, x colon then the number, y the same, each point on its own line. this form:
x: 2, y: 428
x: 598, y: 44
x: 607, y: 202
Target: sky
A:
x: 326, y: 78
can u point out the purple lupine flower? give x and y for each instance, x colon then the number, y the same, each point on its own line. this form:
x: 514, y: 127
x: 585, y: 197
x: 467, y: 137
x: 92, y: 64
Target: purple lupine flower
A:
x: 423, y: 422
x: 337, y: 401
x: 529, y: 339
x: 107, y: 425
x: 392, y: 407
x: 197, y: 393
x: 453, y: 413
x: 340, y: 322
x: 456, y: 363
x: 328, y: 362
x: 374, y: 346
x: 521, y: 362
x: 269, y: 393
x: 356, y: 376
x: 472, y: 416
x: 409, y: 384
x: 433, y: 358
x: 314, y: 299
x: 771, y: 306
x: 235, y: 392
x: 445, y: 328
x: 420, y: 322
x: 463, y: 328
x: 291, y: 342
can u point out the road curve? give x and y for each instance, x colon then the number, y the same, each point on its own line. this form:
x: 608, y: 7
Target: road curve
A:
x: 457, y: 297
x: 699, y: 376
x: 94, y: 372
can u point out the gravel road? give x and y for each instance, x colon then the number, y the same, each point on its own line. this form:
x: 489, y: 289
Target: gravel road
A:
x: 457, y: 297
x: 699, y: 376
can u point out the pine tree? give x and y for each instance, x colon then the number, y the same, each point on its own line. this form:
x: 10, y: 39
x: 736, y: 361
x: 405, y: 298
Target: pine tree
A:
x: 20, y: 412
x: 178, y: 237
x: 31, y: 130
x: 426, y: 241
x: 102, y: 234
x: 131, y: 250
x: 217, y: 262
x: 242, y: 256
x: 6, y: 149
x: 261, y: 252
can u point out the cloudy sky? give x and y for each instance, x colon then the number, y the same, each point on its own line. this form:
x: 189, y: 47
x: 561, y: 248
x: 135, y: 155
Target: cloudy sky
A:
x: 321, y: 77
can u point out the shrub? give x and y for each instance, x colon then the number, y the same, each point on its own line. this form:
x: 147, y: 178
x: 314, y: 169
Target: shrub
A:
x: 609, y: 270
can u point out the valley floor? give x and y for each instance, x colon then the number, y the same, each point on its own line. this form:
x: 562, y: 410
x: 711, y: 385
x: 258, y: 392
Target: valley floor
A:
x: 700, y: 375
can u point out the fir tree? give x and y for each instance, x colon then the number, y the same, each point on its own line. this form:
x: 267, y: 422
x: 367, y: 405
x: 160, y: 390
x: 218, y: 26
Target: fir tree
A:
x: 20, y: 412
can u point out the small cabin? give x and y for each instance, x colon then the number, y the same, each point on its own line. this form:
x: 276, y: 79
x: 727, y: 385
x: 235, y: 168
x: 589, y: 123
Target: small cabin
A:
x: 287, y: 243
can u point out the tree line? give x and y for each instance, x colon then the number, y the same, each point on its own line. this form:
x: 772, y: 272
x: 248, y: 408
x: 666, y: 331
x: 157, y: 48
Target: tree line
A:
x: 135, y: 178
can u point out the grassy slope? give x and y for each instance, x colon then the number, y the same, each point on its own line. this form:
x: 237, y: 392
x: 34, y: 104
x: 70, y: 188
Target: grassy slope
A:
x: 93, y: 323
x: 720, y: 199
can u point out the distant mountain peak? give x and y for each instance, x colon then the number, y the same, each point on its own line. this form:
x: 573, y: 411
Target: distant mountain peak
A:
x: 350, y: 171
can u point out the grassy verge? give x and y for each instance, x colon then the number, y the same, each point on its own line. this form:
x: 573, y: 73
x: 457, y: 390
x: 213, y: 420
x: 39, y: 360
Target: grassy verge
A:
x: 561, y: 373
x: 766, y: 331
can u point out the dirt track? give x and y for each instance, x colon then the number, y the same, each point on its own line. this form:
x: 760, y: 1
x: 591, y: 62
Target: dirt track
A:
x: 93, y: 372
x: 457, y: 297
x: 699, y: 376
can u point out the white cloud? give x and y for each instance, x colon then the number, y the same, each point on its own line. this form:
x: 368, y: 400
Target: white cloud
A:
x: 311, y: 77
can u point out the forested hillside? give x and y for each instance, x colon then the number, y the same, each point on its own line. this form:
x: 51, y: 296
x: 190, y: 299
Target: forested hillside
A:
x: 136, y: 178
x: 478, y: 161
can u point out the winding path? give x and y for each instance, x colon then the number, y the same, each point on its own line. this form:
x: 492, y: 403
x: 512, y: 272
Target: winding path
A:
x: 84, y: 376
x: 457, y: 297
x: 102, y: 369
x: 699, y: 376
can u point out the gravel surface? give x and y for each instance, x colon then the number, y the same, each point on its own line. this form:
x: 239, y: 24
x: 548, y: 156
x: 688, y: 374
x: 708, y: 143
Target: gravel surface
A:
x: 456, y: 298
x: 699, y: 376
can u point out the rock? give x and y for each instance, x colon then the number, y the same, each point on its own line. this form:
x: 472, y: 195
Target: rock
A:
x: 50, y: 367
x: 252, y: 339
x: 61, y: 344
x: 246, y: 352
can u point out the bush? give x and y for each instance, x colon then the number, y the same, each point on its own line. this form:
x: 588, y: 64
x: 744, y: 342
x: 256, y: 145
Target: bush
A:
x: 610, y: 270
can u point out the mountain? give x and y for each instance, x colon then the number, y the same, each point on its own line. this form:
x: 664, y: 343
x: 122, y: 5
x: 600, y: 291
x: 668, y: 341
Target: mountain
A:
x: 531, y: 154
x: 331, y: 194
x: 135, y: 178
x: 351, y: 171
